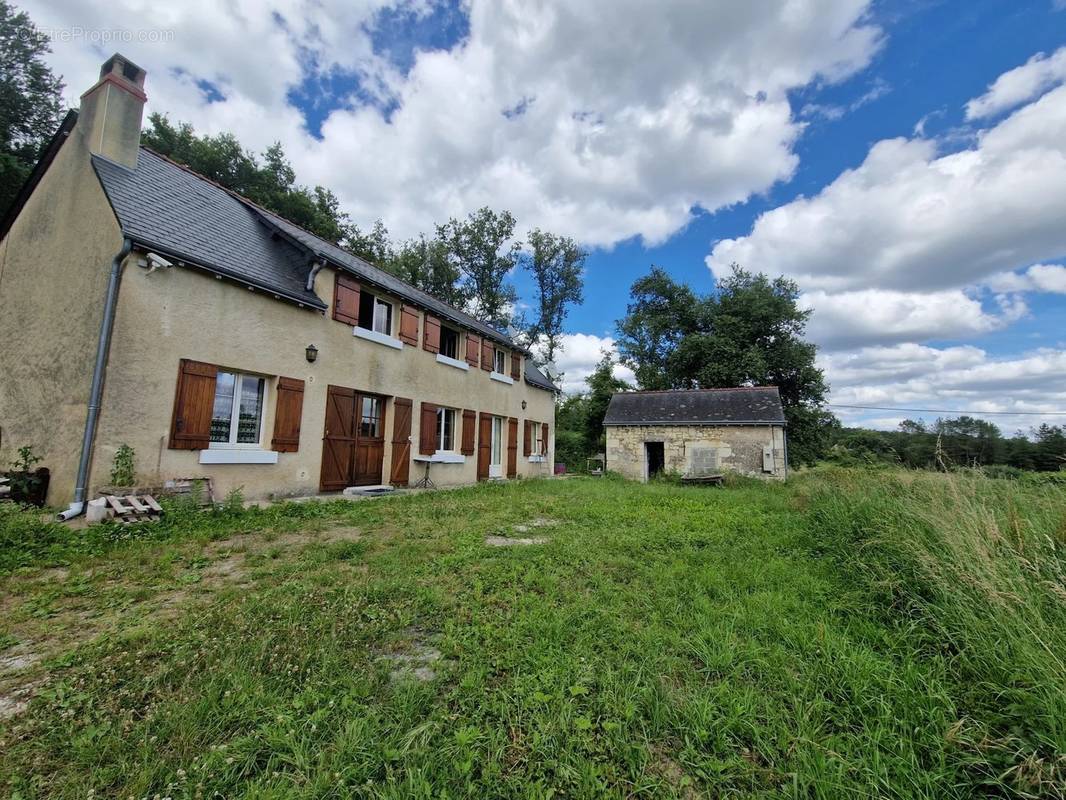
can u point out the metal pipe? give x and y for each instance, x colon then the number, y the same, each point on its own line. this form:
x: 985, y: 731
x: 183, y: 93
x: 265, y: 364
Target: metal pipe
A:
x: 96, y: 390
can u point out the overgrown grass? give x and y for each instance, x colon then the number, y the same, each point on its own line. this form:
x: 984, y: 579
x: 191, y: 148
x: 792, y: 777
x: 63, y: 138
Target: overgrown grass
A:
x: 851, y: 634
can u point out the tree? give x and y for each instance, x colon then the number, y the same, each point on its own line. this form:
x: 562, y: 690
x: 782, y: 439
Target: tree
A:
x: 30, y: 100
x: 272, y: 184
x: 424, y: 263
x: 478, y: 247
x: 373, y: 246
x: 579, y: 417
x: 749, y: 332
x: 556, y: 263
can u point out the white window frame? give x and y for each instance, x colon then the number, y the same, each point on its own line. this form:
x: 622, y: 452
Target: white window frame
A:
x: 235, y: 411
x: 389, y: 314
x: 496, y: 438
x: 458, y: 343
x: 442, y: 412
x: 499, y: 361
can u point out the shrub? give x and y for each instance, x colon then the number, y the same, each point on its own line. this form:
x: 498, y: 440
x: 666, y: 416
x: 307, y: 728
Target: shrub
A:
x: 122, y: 471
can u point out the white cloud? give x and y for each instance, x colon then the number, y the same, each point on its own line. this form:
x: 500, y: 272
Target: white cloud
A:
x: 952, y: 379
x: 1049, y: 278
x: 898, y: 248
x: 633, y: 114
x: 578, y: 357
x: 1020, y: 85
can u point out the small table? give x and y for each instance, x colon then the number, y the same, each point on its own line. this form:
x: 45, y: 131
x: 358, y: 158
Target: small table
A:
x: 425, y: 482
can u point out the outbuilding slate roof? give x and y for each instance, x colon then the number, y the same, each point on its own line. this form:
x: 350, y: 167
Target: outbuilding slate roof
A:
x: 758, y: 404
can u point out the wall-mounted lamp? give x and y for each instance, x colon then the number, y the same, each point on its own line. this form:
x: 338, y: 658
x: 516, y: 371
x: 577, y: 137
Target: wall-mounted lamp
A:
x: 523, y: 405
x: 312, y: 353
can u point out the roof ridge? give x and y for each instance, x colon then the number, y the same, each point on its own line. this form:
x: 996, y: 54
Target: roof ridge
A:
x: 266, y: 211
x: 709, y: 389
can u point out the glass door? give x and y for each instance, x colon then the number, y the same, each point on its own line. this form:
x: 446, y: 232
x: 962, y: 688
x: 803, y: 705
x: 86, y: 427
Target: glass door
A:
x: 496, y: 460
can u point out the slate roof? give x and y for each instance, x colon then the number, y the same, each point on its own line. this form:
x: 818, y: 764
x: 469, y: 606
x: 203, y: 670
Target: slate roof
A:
x: 759, y: 404
x: 170, y: 208
x: 534, y: 377
x: 180, y: 214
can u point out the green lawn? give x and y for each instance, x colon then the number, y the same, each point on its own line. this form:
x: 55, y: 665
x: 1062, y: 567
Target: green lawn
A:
x: 850, y: 634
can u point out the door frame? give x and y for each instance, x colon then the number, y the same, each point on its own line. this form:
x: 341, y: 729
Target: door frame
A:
x: 357, y: 395
x: 496, y: 428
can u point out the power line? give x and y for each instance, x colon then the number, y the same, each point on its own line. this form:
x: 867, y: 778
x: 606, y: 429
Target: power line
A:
x: 949, y: 411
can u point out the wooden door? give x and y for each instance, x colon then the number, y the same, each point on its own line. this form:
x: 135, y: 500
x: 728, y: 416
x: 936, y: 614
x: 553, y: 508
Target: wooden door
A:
x: 484, y: 445
x: 338, y: 440
x: 369, y: 440
x: 399, y: 474
x: 512, y: 448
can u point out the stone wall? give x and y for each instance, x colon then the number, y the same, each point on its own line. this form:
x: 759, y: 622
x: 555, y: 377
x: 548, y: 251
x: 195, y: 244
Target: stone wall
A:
x: 695, y: 450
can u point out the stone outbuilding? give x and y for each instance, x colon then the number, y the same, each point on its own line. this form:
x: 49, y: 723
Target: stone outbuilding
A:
x: 697, y: 433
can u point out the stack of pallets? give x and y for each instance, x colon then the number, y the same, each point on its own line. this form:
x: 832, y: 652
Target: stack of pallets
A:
x: 133, y: 508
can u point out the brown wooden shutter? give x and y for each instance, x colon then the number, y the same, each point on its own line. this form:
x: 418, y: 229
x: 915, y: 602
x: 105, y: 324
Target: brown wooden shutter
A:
x: 346, y: 299
x: 473, y: 345
x: 287, y: 413
x: 516, y: 366
x: 487, y: 353
x: 484, y: 445
x: 399, y: 472
x: 190, y: 425
x: 409, y: 324
x: 431, y: 338
x: 527, y: 438
x: 512, y: 448
x: 544, y: 439
x: 427, y: 430
x: 469, y: 432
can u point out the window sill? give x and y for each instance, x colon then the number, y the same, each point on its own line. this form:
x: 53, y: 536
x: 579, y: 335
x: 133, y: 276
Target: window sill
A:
x: 499, y: 376
x: 236, y: 455
x: 537, y: 459
x: 379, y: 338
x: 442, y: 458
x: 452, y: 362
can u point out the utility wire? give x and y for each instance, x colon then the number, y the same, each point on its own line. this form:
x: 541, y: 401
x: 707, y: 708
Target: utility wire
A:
x: 949, y: 411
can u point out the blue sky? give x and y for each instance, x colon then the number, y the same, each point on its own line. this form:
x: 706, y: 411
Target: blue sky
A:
x: 904, y: 162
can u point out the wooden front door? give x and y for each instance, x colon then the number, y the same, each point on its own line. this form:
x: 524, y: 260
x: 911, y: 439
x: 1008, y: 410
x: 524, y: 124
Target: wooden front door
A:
x: 353, y: 444
x: 400, y: 472
x: 338, y: 441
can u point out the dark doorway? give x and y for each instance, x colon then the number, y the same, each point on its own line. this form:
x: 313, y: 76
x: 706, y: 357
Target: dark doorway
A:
x: 656, y: 458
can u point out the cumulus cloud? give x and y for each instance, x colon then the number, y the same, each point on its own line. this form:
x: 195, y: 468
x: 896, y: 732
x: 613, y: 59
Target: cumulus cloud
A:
x: 1020, y: 85
x: 603, y: 120
x: 963, y: 378
x: 899, y: 248
x: 578, y: 357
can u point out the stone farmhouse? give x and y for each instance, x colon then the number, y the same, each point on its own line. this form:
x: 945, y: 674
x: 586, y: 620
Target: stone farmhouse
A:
x: 142, y: 304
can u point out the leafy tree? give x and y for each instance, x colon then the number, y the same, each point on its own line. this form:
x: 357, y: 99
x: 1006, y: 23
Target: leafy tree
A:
x: 579, y: 417
x: 478, y: 247
x: 30, y: 100
x: 556, y: 263
x: 1049, y: 454
x: 749, y: 332
x: 271, y: 184
x: 424, y: 263
x: 373, y: 246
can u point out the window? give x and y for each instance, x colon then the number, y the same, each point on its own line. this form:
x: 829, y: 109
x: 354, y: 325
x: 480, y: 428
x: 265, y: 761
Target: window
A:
x: 375, y: 314
x: 237, y: 414
x: 445, y: 430
x: 538, y: 438
x: 449, y: 343
x: 370, y: 417
x: 499, y: 362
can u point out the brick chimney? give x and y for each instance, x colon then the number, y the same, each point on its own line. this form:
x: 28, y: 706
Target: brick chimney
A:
x: 111, y: 111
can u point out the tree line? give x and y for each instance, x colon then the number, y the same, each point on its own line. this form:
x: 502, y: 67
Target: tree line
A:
x: 948, y: 443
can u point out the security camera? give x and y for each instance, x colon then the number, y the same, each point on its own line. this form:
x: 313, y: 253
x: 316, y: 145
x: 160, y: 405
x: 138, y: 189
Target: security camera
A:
x: 156, y: 261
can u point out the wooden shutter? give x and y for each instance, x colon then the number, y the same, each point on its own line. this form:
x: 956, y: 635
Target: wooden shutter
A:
x: 400, y: 470
x: 512, y: 448
x: 427, y: 430
x: 431, y: 338
x: 287, y: 413
x: 190, y: 425
x: 544, y: 438
x: 527, y: 438
x: 516, y: 366
x: 487, y: 355
x: 473, y: 345
x: 469, y: 432
x: 484, y: 446
x: 409, y: 324
x: 346, y: 299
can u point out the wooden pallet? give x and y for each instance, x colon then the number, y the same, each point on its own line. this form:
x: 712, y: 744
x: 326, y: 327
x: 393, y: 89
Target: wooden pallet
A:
x: 133, y: 508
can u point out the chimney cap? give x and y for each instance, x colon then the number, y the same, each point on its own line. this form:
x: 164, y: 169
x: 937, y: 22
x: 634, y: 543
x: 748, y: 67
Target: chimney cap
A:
x: 122, y: 67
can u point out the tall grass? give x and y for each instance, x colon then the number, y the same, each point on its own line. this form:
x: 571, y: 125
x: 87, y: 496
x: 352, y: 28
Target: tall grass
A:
x: 975, y: 571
